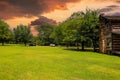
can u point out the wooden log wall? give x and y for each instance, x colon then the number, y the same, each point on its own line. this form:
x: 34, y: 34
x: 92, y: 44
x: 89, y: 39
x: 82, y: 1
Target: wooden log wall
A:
x: 116, y: 37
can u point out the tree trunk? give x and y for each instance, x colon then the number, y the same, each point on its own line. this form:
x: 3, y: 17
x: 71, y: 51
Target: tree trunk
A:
x: 77, y: 45
x: 68, y: 44
x: 83, y: 46
x: 25, y: 43
x: 2, y: 43
x: 94, y: 45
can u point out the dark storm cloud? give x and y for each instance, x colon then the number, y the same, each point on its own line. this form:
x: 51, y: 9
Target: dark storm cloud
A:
x: 110, y: 8
x: 40, y: 22
x: 43, y: 21
x: 113, y: 6
x: 29, y: 8
x: 106, y: 9
x: 118, y: 1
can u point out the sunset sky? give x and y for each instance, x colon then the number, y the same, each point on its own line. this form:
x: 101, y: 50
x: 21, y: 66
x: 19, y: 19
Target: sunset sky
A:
x: 16, y: 12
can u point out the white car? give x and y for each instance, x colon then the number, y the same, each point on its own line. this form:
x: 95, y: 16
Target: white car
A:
x: 52, y: 45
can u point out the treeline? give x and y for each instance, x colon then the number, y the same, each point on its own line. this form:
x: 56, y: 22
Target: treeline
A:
x: 80, y: 29
x: 20, y: 34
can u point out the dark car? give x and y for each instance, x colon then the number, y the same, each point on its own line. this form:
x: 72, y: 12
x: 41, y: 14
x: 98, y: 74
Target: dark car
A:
x: 32, y: 44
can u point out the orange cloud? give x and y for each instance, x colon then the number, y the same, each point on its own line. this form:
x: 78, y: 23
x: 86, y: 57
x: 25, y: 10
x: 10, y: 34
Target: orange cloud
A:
x: 24, y: 8
x: 24, y: 11
x: 61, y: 7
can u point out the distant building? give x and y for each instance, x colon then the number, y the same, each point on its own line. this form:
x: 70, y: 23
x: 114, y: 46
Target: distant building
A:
x: 109, y: 34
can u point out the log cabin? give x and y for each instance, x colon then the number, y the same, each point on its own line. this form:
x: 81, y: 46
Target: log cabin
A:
x: 109, y: 34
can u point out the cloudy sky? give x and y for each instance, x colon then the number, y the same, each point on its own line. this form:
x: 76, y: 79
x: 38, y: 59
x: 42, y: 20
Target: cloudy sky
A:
x: 16, y: 12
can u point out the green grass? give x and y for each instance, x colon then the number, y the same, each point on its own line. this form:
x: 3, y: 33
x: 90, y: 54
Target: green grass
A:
x: 54, y: 63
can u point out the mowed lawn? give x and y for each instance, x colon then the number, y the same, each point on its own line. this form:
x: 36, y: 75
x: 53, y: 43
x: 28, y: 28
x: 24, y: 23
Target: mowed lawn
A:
x: 55, y: 63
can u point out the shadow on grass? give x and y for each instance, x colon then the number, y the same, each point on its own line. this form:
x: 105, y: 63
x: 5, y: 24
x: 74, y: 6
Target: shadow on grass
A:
x: 90, y: 50
x: 73, y: 49
x: 13, y: 45
x: 115, y: 54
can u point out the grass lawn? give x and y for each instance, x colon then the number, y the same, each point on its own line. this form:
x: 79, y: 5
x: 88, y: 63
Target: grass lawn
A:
x: 54, y: 63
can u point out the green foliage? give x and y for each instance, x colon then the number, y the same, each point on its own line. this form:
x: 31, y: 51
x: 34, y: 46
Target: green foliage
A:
x: 44, y: 34
x: 91, y: 21
x: 57, y: 35
x: 5, y: 32
x: 22, y: 34
x: 81, y: 27
x: 69, y: 29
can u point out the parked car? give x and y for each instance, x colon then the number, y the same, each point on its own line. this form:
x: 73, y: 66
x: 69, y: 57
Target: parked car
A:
x: 32, y: 44
x: 52, y: 45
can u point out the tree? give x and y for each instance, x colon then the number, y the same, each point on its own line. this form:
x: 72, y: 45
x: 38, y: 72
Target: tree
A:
x: 44, y: 34
x: 22, y: 34
x: 91, y: 23
x: 82, y: 27
x: 73, y: 30
x: 57, y: 35
x: 5, y: 32
x: 83, y: 38
x: 69, y: 32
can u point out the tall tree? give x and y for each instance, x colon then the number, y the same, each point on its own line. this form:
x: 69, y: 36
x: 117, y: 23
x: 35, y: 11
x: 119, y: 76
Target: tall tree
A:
x: 73, y: 30
x: 22, y: 34
x: 5, y: 32
x: 44, y: 34
x: 91, y: 23
x: 57, y: 35
x: 69, y: 32
x: 81, y: 27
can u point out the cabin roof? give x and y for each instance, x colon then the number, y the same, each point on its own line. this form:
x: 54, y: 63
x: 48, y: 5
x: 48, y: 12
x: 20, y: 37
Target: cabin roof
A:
x: 112, y: 17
